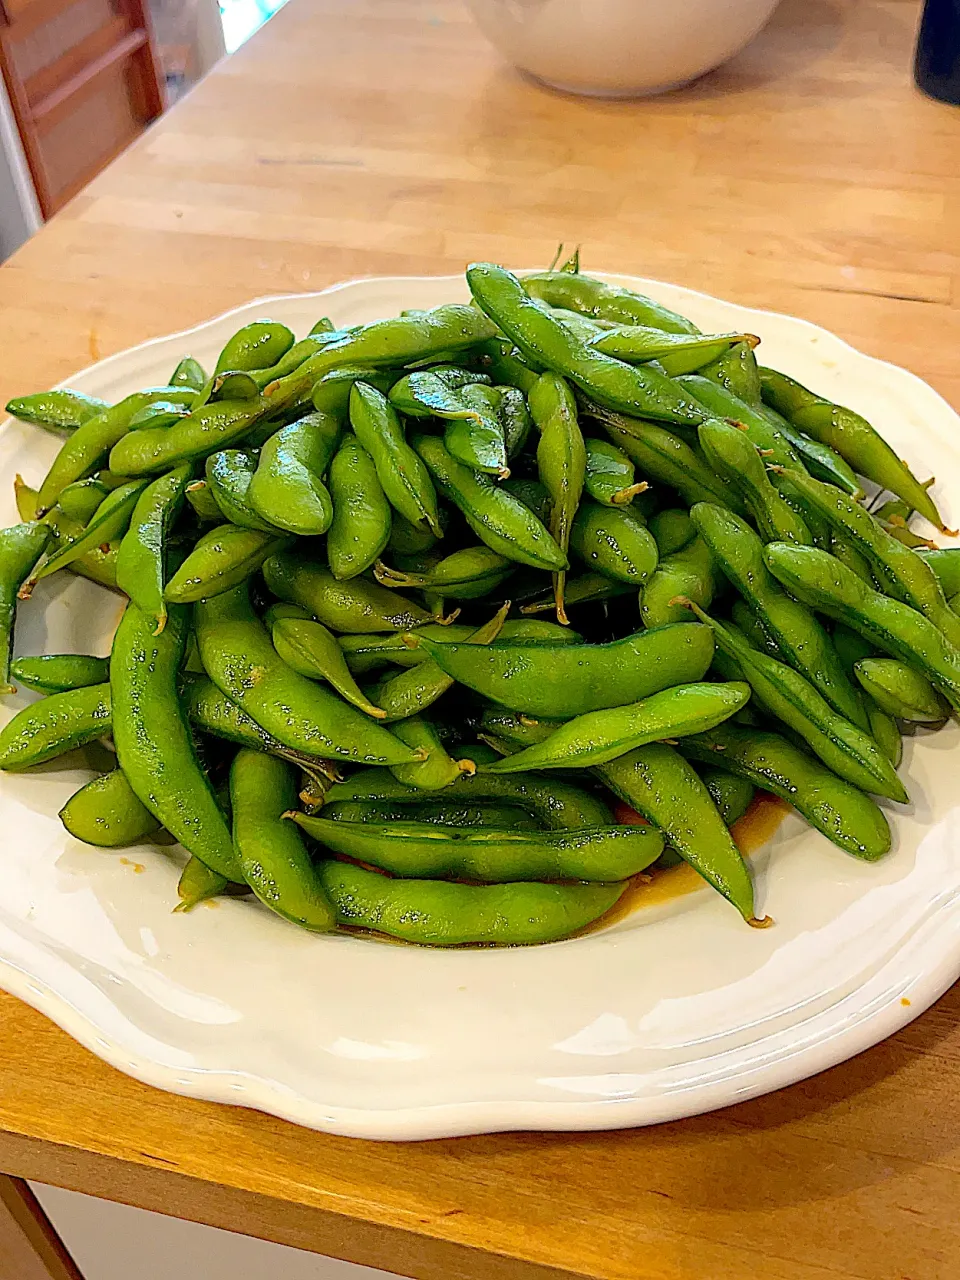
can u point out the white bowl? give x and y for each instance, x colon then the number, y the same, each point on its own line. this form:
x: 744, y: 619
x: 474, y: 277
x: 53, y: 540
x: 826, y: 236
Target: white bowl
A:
x: 619, y: 48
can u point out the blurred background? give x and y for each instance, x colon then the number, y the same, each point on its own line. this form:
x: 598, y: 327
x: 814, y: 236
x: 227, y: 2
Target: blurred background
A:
x: 81, y: 79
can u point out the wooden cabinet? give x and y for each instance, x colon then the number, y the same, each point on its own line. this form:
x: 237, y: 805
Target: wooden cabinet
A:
x: 83, y: 82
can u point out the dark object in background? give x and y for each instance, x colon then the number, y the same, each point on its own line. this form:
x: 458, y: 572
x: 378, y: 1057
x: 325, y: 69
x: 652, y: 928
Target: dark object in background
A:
x: 937, y: 67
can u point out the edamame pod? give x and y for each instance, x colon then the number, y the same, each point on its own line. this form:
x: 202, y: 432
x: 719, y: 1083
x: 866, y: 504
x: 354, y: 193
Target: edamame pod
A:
x: 204, y: 505
x: 107, y: 813
x: 21, y: 546
x: 799, y: 636
x: 439, y: 769
x: 425, y: 851
x: 354, y: 606
x: 189, y: 373
x: 566, y: 680
x: 57, y: 672
x: 361, y: 523
x: 841, y: 745
x: 721, y: 403
x: 945, y: 563
x: 88, y: 447
x: 198, y: 884
x: 561, y: 464
x: 733, y: 455
x: 676, y: 352
x: 142, y: 558
x: 110, y: 520
x: 152, y: 735
x: 403, y: 477
x: 690, y: 572
x: 80, y: 500
x: 830, y: 587
x: 438, y: 914
x: 287, y: 490
x: 476, y: 437
x: 308, y: 647
x: 465, y: 575
x: 229, y: 474
x: 500, y: 520
x: 731, y: 794
x: 610, y: 476
x: 671, y: 529
x: 847, y: 817
x: 44, y: 730
x: 600, y: 736
x: 904, y: 573
x: 852, y: 437
x: 901, y: 691
x: 666, y: 458
x: 555, y: 803
x: 271, y: 853
x: 208, y: 428
x: 258, y: 345
x: 61, y: 409
x: 736, y: 370
x: 224, y: 557
x: 239, y: 658
x: 575, y: 292
x: 662, y: 786
x: 445, y: 813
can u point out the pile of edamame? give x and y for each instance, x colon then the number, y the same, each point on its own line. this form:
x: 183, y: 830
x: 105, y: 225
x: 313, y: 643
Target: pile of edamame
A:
x: 451, y: 625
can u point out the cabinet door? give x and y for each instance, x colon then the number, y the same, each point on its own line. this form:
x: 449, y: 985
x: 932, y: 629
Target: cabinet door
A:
x: 83, y: 82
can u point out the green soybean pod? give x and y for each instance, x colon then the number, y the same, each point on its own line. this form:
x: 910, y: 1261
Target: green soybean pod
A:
x: 44, y: 730
x: 434, y: 913
x: 99, y: 564
x: 733, y: 795
x: 332, y: 393
x: 229, y: 474
x: 566, y: 680
x: 439, y: 769
x: 61, y: 409
x: 666, y: 458
x: 258, y: 345
x: 271, y: 852
x: 287, y: 489
x: 734, y: 456
x: 945, y: 562
x: 851, y: 648
x: 476, y: 437
x: 663, y: 787
x: 800, y: 637
x: 189, y: 373
x: 205, y: 506
x: 851, y: 436
x: 736, y: 370
x: 403, y: 477
x: 899, y: 630
x: 691, y: 572
x: 900, y: 690
x: 843, y: 746
x: 109, y: 521
x: 585, y: 588
x: 152, y: 735
x: 468, y: 574
x: 355, y: 606
x: 414, y: 690
x: 600, y: 736
x: 722, y: 403
x: 555, y: 803
x: 198, y: 884
x: 308, y: 647
x: 208, y: 428
x: 601, y: 301
x: 843, y: 813
x: 88, y: 447
x: 426, y: 851
x: 224, y: 557
x: 58, y: 672
x: 504, y: 523
x: 21, y: 546
x: 672, y: 529
x: 561, y: 463
x: 676, y: 353
x: 238, y: 656
x: 610, y: 476
x: 445, y: 812
x: 80, y: 500
x: 361, y: 523
x: 142, y: 558
x: 107, y: 813
x: 532, y: 494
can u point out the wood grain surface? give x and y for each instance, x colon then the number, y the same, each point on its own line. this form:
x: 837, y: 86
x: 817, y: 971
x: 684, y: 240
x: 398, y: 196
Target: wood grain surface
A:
x: 358, y: 137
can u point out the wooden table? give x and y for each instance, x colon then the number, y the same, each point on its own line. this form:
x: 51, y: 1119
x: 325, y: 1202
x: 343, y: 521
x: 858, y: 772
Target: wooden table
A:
x: 356, y: 137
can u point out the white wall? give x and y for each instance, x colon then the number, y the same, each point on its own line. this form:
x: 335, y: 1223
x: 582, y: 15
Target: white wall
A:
x: 114, y: 1242
x: 19, y: 213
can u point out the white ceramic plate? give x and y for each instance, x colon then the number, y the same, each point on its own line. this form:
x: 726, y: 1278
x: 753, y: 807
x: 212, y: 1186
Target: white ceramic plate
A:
x: 672, y: 1011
